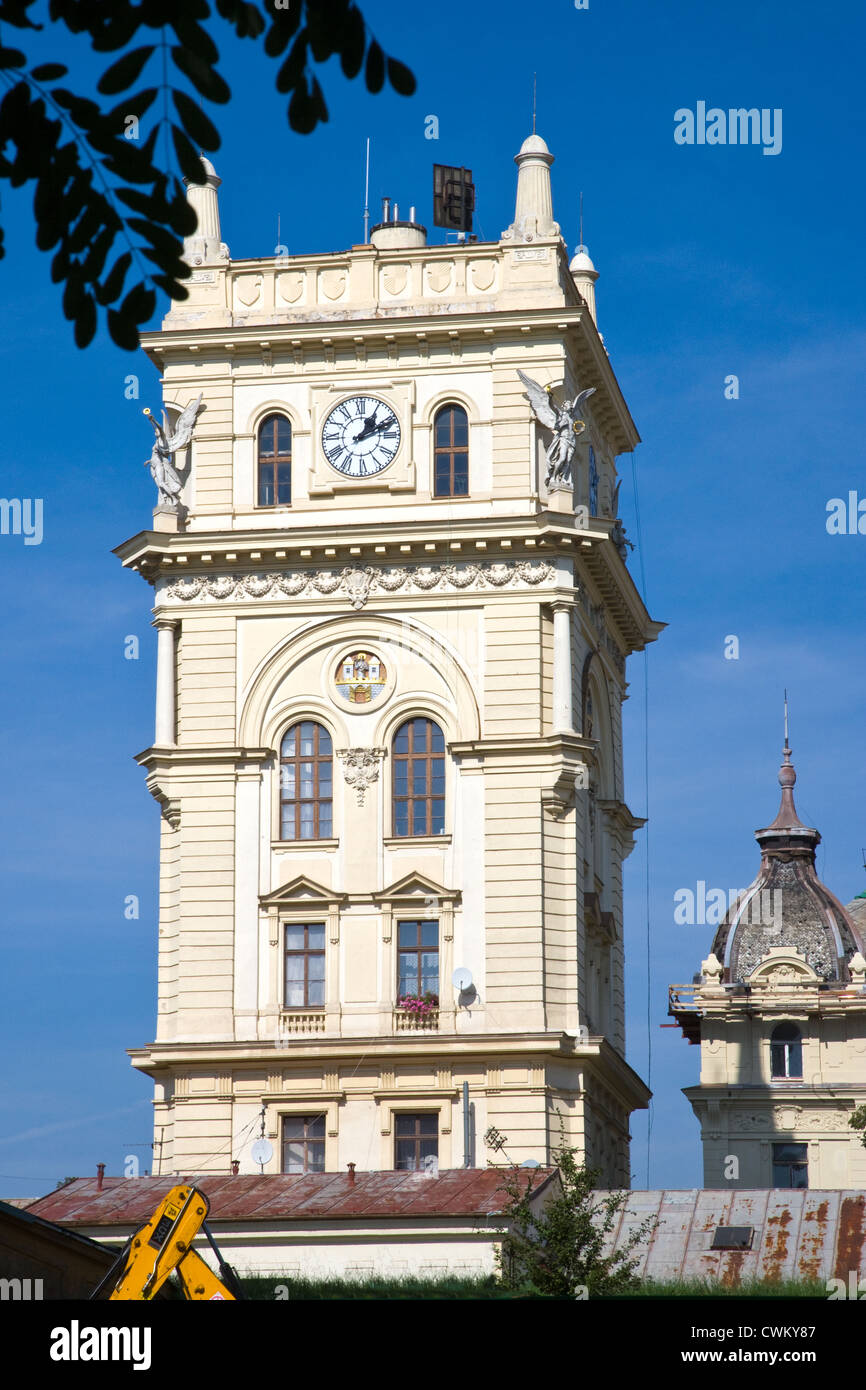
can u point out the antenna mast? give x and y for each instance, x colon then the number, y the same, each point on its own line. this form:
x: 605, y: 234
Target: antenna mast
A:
x: 367, y: 196
x: 786, y: 719
x: 534, y: 80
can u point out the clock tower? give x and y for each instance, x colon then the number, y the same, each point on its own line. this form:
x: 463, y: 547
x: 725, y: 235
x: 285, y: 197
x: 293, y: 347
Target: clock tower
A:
x: 393, y: 613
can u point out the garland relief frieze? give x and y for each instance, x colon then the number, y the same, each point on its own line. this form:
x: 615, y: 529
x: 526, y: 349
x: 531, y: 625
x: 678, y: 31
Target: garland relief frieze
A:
x: 357, y: 583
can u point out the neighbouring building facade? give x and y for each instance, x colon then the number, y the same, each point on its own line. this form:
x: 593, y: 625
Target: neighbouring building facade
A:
x: 779, y: 1012
x: 391, y: 665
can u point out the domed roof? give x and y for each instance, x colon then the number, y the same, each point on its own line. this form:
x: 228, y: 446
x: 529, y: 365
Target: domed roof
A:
x: 787, y: 904
x: 581, y: 262
x: 533, y: 144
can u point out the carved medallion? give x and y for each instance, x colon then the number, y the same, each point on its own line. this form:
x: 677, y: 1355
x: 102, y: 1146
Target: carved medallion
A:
x: 360, y: 768
x: 394, y: 278
x: 290, y: 286
x: 333, y: 283
x: 482, y: 273
x: 248, y: 289
x: 439, y: 277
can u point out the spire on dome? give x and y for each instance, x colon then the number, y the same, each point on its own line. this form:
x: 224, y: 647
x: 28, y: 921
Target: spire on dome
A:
x: 787, y: 895
x: 205, y: 244
x: 533, y: 209
x: 787, y: 818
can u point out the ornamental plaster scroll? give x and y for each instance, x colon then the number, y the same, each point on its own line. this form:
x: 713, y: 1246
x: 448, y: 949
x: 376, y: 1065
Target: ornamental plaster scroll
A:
x: 357, y: 583
x: 782, y: 967
x: 361, y: 768
x: 789, y: 1118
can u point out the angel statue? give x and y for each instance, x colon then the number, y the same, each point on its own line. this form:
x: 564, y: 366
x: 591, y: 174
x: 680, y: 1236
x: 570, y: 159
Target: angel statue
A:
x: 169, y: 439
x: 565, y: 422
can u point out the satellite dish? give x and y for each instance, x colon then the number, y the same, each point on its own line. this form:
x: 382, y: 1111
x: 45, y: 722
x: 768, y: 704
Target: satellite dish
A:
x: 262, y: 1152
x: 530, y: 1163
x: 462, y: 979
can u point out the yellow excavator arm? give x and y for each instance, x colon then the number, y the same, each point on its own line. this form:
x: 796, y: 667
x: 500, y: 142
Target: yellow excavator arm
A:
x: 164, y: 1246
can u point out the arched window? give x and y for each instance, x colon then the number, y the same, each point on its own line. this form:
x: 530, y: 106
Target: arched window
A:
x: 275, y: 462
x: 451, y: 452
x: 419, y: 778
x: 786, y: 1051
x: 306, y: 786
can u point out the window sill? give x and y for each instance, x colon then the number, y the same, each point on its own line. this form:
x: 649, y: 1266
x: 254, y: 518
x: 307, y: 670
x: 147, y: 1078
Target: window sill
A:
x: 298, y: 846
x: 425, y: 841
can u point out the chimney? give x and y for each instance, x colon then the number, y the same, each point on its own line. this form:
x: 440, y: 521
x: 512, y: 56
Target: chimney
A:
x: 351, y: 1168
x: 100, y: 1176
x: 236, y: 1163
x: 393, y: 235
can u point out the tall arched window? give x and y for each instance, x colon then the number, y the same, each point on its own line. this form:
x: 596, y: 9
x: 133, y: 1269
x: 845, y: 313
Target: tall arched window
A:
x: 306, y: 783
x: 275, y: 462
x: 451, y: 452
x: 419, y: 778
x: 786, y: 1051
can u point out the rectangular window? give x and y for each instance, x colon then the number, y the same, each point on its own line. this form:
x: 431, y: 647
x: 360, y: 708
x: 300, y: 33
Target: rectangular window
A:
x: 418, y: 958
x: 790, y: 1166
x: 305, y: 966
x: 416, y: 1138
x: 303, y: 1144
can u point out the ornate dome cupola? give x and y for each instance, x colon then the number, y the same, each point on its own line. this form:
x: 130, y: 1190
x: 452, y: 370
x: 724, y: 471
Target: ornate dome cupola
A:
x: 787, y: 906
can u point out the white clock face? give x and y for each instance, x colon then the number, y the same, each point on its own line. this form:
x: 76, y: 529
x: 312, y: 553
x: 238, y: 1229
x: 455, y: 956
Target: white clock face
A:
x: 360, y: 436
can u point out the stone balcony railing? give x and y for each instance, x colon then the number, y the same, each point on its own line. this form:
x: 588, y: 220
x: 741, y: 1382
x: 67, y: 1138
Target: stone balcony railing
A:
x: 296, y: 1022
x: 409, y: 1021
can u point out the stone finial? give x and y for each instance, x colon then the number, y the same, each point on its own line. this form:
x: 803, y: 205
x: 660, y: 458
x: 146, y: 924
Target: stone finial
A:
x: 533, y: 210
x: 205, y: 244
x: 857, y: 970
x: 584, y: 275
x: 712, y: 971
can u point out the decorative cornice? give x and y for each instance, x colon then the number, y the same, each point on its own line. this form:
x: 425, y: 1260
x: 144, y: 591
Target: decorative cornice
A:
x: 358, y: 582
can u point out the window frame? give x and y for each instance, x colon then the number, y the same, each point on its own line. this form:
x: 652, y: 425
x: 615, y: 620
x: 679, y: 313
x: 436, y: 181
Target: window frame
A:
x: 790, y: 1164
x: 316, y: 799
x: 451, y: 449
x: 318, y: 1141
x: 274, y: 461
x: 402, y: 1117
x: 308, y: 953
x: 430, y: 798
x: 791, y: 1052
x: 418, y: 951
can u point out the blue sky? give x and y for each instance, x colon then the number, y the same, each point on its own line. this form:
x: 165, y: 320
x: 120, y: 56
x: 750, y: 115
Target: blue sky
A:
x: 713, y: 260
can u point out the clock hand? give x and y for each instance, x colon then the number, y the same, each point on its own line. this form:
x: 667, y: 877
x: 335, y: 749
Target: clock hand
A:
x: 371, y: 427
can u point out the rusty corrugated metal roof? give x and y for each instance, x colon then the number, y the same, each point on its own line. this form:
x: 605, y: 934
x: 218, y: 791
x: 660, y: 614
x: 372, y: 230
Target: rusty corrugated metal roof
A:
x: 810, y: 1234
x: 798, y: 1234
x: 276, y: 1197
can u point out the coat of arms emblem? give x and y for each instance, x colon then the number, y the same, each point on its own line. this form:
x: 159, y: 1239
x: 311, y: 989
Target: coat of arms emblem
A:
x: 360, y: 677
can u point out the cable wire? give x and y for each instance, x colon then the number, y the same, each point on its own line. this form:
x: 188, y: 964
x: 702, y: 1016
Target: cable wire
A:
x: 649, y: 1045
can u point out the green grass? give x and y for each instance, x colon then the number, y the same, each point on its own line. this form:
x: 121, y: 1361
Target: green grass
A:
x: 264, y: 1289
x: 701, y: 1288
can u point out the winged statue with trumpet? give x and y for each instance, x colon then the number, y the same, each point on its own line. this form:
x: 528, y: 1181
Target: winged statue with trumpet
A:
x: 170, y: 438
x: 565, y: 422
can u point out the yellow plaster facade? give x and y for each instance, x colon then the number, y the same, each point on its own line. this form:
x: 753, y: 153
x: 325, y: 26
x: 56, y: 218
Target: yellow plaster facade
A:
x: 504, y: 616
